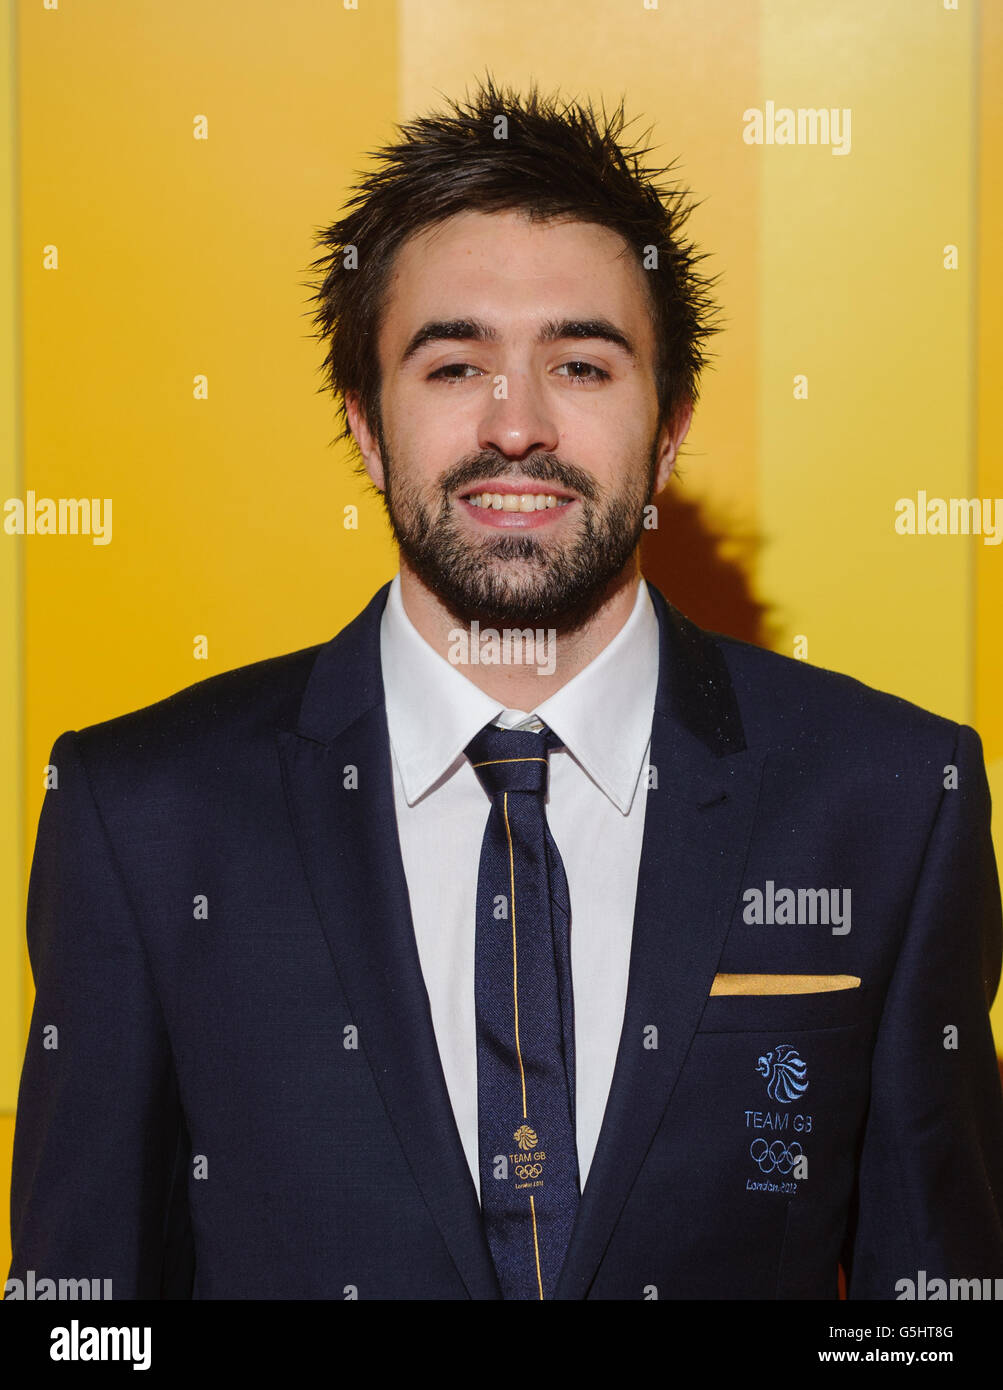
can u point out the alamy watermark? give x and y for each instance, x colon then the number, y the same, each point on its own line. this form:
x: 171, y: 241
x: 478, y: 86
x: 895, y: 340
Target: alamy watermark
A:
x: 76, y: 1343
x: 950, y: 516
x: 799, y: 907
x: 921, y: 1289
x: 58, y: 516
x: 39, y: 1289
x: 807, y: 125
x: 513, y: 646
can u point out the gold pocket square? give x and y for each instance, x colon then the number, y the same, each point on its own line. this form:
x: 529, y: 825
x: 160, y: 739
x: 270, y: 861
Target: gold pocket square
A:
x: 782, y: 984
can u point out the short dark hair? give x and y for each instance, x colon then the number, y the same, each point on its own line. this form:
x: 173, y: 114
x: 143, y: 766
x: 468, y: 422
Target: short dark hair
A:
x: 556, y: 160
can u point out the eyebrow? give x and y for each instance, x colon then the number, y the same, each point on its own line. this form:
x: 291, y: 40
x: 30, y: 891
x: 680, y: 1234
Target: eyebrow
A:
x: 552, y: 331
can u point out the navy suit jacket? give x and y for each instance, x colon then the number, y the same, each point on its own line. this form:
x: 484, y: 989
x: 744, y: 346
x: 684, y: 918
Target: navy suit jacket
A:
x: 243, y: 1096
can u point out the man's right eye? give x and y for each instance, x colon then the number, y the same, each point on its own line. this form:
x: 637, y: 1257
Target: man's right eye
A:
x: 443, y: 373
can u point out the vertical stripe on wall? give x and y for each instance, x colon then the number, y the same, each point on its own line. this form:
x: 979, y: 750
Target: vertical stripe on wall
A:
x: 12, y: 1021
x: 856, y: 300
x: 989, y: 560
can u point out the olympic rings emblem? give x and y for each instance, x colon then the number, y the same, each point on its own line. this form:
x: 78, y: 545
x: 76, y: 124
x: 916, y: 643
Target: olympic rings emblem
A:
x: 528, y: 1170
x: 776, y: 1156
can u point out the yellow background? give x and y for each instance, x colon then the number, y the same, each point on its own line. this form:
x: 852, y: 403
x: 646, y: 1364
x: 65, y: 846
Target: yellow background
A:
x: 179, y: 257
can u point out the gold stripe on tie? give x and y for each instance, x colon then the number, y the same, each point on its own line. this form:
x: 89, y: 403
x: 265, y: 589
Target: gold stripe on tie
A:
x: 492, y: 761
x: 515, y: 956
x: 515, y: 990
x: 536, y: 1246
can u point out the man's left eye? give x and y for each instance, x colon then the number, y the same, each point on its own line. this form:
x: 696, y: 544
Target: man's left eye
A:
x: 591, y: 371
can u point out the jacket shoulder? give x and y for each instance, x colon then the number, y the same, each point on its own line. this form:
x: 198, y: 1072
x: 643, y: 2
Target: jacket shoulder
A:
x: 207, y: 717
x: 781, y: 697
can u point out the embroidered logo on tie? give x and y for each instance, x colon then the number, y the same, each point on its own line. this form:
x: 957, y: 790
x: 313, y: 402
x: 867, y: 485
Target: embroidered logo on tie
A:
x: 786, y: 1073
x: 525, y: 1137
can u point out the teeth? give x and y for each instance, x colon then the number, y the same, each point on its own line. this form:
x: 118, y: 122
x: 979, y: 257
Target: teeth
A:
x: 517, y: 501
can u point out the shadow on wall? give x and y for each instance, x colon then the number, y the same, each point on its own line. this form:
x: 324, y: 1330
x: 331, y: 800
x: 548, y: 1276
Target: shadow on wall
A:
x: 705, y: 574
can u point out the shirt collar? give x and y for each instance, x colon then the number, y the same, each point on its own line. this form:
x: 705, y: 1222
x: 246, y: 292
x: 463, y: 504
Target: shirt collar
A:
x: 604, y: 719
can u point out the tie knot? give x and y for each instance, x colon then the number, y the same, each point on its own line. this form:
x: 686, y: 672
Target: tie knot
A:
x: 511, y: 760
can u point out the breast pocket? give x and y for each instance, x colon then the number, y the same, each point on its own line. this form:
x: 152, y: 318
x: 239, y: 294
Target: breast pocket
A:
x: 786, y: 1013
x: 765, y: 1117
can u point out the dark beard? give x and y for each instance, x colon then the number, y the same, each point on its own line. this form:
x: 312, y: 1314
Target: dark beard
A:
x: 561, y: 585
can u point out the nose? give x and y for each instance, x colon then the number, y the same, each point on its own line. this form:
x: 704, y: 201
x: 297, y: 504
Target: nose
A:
x: 518, y: 420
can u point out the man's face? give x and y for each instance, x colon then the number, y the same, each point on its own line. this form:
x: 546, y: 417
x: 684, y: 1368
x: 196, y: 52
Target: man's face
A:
x: 518, y: 360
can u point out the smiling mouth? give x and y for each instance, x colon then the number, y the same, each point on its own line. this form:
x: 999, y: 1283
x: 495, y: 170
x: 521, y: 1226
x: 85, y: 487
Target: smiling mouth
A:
x: 516, y: 501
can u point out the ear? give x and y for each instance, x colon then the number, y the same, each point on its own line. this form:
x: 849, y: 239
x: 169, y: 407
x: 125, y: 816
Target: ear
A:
x: 669, y: 440
x: 363, y: 436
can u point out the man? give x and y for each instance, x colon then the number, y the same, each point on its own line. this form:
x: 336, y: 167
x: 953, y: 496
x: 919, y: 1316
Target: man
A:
x: 524, y: 940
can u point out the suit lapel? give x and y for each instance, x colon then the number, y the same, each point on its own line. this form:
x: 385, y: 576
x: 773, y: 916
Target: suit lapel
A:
x: 698, y: 823
x: 351, y: 853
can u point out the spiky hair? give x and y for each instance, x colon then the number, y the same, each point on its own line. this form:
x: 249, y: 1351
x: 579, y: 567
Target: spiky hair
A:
x: 557, y: 159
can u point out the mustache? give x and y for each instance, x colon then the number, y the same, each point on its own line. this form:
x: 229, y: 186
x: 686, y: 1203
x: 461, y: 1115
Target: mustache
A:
x: 539, y: 468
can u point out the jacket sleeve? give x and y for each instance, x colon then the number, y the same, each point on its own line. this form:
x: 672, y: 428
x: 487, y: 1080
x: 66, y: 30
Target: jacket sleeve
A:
x: 100, y: 1150
x: 930, y: 1174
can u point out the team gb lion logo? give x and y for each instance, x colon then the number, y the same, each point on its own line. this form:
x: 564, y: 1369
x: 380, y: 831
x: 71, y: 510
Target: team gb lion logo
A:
x: 786, y: 1073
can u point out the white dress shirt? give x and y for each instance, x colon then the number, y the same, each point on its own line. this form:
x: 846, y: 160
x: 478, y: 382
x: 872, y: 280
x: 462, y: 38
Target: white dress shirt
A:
x: 595, y: 810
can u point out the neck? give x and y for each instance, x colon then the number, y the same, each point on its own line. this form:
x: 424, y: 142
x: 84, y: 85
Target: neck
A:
x: 559, y: 654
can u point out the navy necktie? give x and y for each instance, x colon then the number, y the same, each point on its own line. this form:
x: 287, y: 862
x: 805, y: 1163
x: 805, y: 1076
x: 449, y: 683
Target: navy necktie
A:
x: 528, y: 1159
